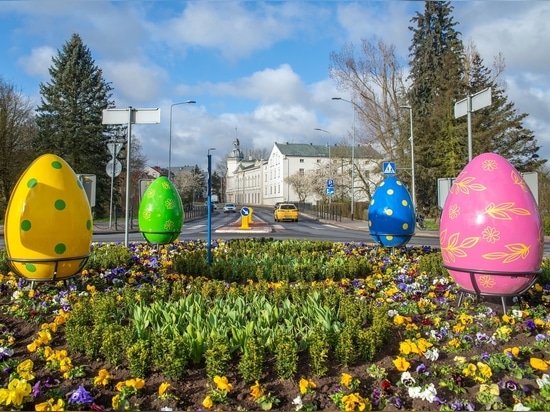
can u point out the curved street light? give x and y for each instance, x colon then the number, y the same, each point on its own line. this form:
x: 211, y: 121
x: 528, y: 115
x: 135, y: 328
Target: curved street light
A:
x: 352, y: 154
x: 170, y: 139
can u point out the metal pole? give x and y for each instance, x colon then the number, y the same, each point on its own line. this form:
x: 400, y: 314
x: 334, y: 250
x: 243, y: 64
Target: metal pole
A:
x: 170, y: 137
x: 128, y: 174
x: 469, y: 110
x: 411, y: 138
x: 287, y: 177
x: 352, y: 155
x: 209, y: 205
x: 353, y: 168
x: 412, y: 159
x: 112, y: 189
x: 329, y: 159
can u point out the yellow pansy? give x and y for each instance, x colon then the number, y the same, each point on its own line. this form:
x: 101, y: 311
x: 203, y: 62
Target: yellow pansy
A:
x: 346, y: 379
x: 207, y: 402
x: 538, y: 364
x: 163, y: 387
x: 401, y: 364
x: 222, y: 383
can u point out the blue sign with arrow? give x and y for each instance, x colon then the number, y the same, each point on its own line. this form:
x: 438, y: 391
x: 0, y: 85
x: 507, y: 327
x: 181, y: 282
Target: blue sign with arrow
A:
x: 245, y: 211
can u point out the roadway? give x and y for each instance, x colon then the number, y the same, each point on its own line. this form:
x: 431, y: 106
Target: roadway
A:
x: 225, y: 226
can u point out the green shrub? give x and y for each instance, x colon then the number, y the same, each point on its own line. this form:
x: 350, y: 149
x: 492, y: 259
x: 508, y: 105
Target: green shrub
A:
x: 546, y: 225
x: 139, y: 358
x: 4, y: 265
x: 252, y: 360
x: 217, y: 356
x: 109, y: 257
x: 544, y: 276
x: 286, y: 356
x: 432, y: 264
x: 319, y: 349
x: 171, y: 356
x: 192, y: 263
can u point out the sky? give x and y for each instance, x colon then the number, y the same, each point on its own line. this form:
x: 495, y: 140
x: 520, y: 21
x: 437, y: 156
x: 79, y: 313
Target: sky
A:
x: 258, y: 70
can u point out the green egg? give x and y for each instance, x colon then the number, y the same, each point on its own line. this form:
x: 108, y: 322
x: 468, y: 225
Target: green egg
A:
x: 160, y: 216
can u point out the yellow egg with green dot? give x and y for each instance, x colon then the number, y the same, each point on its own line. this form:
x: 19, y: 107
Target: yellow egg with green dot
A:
x: 48, y: 222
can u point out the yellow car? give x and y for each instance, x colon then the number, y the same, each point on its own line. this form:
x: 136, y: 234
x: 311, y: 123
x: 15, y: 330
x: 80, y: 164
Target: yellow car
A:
x: 286, y: 211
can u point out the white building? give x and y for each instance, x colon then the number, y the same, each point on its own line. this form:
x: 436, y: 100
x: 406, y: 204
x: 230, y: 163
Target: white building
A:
x: 265, y: 181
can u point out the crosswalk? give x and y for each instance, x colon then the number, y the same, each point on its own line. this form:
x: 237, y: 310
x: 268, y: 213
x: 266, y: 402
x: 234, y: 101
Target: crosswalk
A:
x: 199, y: 227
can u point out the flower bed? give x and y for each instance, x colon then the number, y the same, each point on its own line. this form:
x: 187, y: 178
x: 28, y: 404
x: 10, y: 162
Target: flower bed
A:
x: 281, y: 325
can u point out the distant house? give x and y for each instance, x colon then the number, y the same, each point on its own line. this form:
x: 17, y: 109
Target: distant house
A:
x: 262, y: 181
x: 149, y: 172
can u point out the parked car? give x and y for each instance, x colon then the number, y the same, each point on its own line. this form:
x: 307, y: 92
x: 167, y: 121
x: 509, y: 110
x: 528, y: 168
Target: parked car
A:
x: 286, y: 211
x: 229, y: 208
x: 277, y: 205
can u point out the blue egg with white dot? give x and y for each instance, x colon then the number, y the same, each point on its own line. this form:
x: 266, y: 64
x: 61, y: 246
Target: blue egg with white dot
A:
x: 391, y: 214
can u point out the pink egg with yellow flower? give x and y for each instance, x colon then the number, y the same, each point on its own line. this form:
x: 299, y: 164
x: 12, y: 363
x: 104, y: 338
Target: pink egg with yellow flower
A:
x: 491, y: 233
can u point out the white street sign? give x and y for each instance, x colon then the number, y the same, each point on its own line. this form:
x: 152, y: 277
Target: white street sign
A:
x: 138, y: 116
x: 114, y: 148
x: 113, y: 170
x: 477, y: 101
x: 470, y: 104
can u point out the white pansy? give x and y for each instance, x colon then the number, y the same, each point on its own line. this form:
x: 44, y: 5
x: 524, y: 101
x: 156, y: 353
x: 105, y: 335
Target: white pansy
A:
x: 432, y: 354
x: 429, y: 393
x: 415, y: 391
x: 407, y: 379
x: 298, y: 402
x: 545, y: 380
x: 521, y: 407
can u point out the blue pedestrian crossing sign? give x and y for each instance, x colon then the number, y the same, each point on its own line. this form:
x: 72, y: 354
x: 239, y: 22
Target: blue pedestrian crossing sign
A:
x: 388, y: 168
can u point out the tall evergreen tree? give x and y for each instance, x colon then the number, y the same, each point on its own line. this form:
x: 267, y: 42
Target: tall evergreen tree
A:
x: 436, y: 83
x: 70, y: 116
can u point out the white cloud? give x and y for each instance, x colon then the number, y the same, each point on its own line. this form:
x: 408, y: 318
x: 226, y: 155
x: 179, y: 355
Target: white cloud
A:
x: 38, y: 62
x: 133, y: 81
x: 232, y: 29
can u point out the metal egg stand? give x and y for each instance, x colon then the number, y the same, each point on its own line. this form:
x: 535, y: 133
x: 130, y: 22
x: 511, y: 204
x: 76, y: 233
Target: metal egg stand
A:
x: 83, y: 260
x: 477, y: 291
x: 173, y: 235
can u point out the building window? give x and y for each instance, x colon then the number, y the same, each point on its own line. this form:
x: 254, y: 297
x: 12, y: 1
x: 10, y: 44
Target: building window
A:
x: 301, y: 172
x: 301, y: 160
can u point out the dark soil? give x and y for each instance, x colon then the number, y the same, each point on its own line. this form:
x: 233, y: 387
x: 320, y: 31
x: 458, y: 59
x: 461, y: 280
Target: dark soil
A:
x: 191, y: 391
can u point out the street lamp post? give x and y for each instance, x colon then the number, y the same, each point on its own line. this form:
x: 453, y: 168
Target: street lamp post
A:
x: 352, y: 155
x: 412, y: 154
x: 329, y: 158
x: 209, y: 205
x: 287, y: 179
x: 170, y: 139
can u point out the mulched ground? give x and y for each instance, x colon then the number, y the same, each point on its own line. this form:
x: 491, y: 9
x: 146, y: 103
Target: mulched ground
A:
x: 192, y: 389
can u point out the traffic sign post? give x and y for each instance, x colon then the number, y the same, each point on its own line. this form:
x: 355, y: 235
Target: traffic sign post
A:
x: 470, y: 104
x: 329, y: 191
x: 245, y: 213
x: 388, y: 168
x: 129, y: 116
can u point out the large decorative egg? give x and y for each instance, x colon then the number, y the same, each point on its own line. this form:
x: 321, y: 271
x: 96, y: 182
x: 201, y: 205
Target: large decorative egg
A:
x: 391, y: 213
x: 491, y: 233
x: 48, y: 222
x: 161, y: 214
